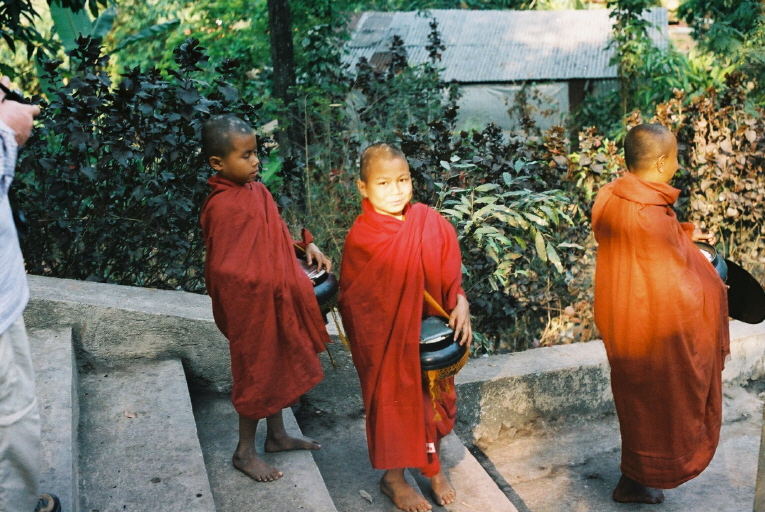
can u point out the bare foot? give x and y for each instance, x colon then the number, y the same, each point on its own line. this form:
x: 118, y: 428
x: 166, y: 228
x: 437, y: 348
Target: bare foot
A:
x: 443, y: 492
x: 253, y: 466
x: 393, y: 485
x: 287, y: 443
x: 630, y: 491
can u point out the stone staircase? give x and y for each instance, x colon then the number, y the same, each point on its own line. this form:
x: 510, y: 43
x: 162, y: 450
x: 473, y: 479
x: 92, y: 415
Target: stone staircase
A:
x: 122, y: 431
x: 133, y: 438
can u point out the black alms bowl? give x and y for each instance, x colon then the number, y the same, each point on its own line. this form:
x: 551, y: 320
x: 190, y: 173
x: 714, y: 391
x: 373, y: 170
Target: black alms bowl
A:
x: 324, y: 283
x: 438, y: 348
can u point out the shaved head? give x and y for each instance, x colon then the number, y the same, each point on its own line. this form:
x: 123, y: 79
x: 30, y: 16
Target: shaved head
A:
x: 218, y: 132
x: 645, y: 143
x: 375, y: 151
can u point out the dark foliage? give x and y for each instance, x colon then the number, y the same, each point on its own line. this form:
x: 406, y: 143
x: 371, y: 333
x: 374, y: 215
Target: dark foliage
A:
x: 109, y: 187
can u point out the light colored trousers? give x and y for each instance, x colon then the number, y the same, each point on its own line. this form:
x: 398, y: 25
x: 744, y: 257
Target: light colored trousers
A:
x: 19, y: 423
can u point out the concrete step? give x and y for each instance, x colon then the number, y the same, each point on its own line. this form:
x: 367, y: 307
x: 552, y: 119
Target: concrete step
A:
x: 56, y: 379
x: 475, y: 488
x: 575, y: 466
x: 139, y: 449
x: 300, y: 489
x: 344, y: 463
x: 333, y: 414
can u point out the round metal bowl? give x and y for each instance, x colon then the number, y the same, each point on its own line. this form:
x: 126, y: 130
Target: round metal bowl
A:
x: 715, y: 258
x: 438, y: 348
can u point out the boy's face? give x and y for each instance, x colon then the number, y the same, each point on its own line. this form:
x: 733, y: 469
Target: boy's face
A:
x: 388, y: 185
x: 241, y: 164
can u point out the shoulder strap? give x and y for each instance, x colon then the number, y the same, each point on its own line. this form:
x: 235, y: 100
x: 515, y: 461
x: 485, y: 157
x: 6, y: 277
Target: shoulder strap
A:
x: 435, y: 305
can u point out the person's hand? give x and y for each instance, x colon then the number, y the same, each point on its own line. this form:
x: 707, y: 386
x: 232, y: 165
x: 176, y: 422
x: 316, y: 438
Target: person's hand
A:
x: 17, y: 116
x: 313, y: 254
x: 700, y: 236
x: 459, y: 320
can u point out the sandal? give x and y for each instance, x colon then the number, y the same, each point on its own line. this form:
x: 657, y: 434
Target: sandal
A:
x: 48, y: 503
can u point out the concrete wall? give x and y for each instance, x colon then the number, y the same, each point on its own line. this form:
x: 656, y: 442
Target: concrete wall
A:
x: 498, y: 393
x: 511, y: 392
x: 112, y: 323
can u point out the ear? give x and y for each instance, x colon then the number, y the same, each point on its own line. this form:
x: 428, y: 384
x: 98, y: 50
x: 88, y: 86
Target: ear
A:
x: 362, y: 186
x: 215, y: 162
x: 660, y: 164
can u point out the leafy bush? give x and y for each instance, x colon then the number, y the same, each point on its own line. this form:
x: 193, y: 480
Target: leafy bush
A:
x: 110, y: 185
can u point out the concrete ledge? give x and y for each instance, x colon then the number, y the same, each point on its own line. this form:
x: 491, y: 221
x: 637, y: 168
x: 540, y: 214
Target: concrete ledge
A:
x: 499, y: 393
x: 513, y: 392
x: 112, y: 323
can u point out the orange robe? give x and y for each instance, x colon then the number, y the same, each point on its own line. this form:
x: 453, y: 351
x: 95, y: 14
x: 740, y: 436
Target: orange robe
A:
x: 262, y: 300
x: 662, y: 312
x: 386, y: 265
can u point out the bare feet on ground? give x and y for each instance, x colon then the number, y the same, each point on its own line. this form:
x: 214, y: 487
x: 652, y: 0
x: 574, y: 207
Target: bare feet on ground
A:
x: 402, y: 494
x: 630, y: 491
x: 443, y: 492
x: 253, y: 466
x: 287, y: 443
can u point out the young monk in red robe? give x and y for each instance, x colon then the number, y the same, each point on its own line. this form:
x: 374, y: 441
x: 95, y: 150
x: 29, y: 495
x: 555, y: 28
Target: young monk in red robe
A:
x: 394, y: 251
x: 662, y: 312
x: 262, y: 300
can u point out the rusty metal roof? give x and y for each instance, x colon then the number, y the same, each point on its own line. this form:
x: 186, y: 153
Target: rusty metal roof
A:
x: 502, y: 46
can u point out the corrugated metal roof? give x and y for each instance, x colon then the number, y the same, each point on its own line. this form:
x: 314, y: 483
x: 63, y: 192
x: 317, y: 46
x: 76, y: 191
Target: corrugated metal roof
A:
x: 503, y: 46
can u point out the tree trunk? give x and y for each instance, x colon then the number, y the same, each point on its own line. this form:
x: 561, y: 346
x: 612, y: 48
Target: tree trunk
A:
x: 283, y: 60
x: 289, y: 136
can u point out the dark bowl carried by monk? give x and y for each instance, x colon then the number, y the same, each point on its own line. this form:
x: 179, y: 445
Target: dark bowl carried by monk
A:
x: 438, y: 348
x: 324, y: 283
x: 746, y: 297
x: 715, y: 258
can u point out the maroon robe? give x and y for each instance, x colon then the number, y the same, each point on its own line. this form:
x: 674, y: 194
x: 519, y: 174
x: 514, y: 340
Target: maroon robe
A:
x: 387, y: 263
x: 262, y: 300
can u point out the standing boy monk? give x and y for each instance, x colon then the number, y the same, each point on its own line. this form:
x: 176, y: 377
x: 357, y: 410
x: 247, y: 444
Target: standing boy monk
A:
x: 262, y: 300
x: 395, y: 251
x: 663, y: 314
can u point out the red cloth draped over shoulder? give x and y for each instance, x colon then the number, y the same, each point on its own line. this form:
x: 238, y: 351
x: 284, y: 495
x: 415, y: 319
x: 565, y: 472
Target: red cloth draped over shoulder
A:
x: 262, y: 300
x: 386, y: 264
x: 662, y: 312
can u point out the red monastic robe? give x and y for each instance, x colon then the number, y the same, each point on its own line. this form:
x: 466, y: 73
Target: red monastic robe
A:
x: 386, y: 265
x: 262, y: 300
x: 662, y: 312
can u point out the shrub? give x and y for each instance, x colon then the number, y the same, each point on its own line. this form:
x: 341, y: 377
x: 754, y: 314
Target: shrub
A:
x: 110, y: 185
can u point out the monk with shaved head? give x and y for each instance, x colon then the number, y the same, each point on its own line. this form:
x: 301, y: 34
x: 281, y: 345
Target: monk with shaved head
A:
x: 395, y: 251
x: 662, y: 312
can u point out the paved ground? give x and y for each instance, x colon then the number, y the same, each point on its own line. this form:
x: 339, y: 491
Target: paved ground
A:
x: 574, y: 467
x: 571, y: 467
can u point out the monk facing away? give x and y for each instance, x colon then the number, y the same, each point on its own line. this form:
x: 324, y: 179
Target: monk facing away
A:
x: 262, y: 300
x: 394, y: 251
x: 663, y: 315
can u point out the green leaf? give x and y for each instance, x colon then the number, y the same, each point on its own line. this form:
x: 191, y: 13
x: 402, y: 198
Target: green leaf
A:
x: 445, y: 165
x: 69, y: 25
x: 486, y: 199
x: 103, y: 23
x: 571, y: 245
x: 539, y: 244
x: 486, y: 187
x: 552, y: 214
x: 553, y: 257
x: 452, y: 213
x: 147, y: 33
x: 535, y: 218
